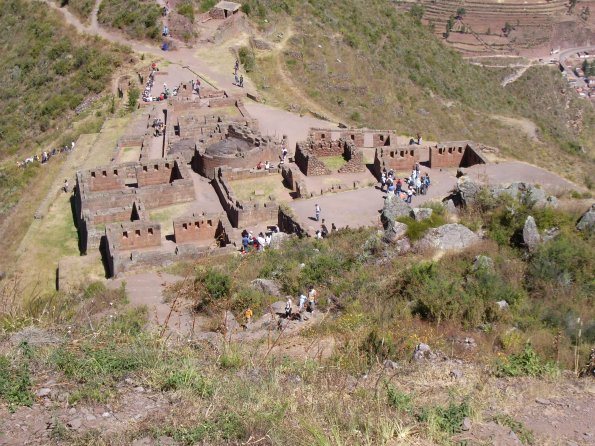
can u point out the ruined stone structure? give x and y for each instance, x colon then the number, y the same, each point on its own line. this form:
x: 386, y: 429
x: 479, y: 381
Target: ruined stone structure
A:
x: 198, y: 227
x: 224, y: 9
x: 242, y: 213
x: 455, y: 154
x: 122, y: 192
x: 309, y: 153
x: 241, y: 147
x: 376, y: 138
x: 139, y: 244
x: 395, y: 158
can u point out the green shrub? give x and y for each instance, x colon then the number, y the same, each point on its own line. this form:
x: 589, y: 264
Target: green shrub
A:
x: 246, y: 9
x: 417, y: 229
x: 397, y: 399
x: 246, y: 58
x: 447, y: 420
x: 185, y: 377
x: 133, y: 95
x: 525, y: 435
x: 186, y: 8
x: 15, y: 380
x: 214, y: 286
x: 526, y: 363
x: 378, y: 347
x: 206, y: 5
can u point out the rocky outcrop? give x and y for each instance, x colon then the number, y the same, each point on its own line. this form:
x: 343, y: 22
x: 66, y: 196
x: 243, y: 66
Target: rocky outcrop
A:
x: 448, y: 238
x: 420, y: 214
x: 587, y: 220
x: 266, y: 286
x: 396, y: 231
x: 394, y: 208
x: 531, y: 237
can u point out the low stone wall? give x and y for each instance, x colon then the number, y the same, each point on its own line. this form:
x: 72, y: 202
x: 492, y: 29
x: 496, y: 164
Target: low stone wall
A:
x: 289, y: 225
x: 455, y: 154
x: 395, y: 158
x: 308, y: 154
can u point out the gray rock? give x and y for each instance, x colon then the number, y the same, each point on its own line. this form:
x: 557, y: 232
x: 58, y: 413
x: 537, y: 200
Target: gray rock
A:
x: 502, y: 304
x: 266, y: 286
x: 139, y: 389
x: 277, y: 239
x: 552, y: 202
x: 420, y: 214
x: 550, y: 234
x: 75, y: 423
x: 456, y: 374
x: 43, y: 392
x: 468, y: 190
x: 466, y: 424
x: 230, y: 321
x: 450, y: 206
x: 483, y: 262
x: 279, y: 307
x: 72, y: 411
x: 531, y: 236
x: 388, y: 364
x: 403, y: 246
x: 587, y: 220
x: 422, y: 352
x: 393, y: 208
x: 90, y: 417
x: 448, y: 238
x: 542, y: 401
x: 395, y: 232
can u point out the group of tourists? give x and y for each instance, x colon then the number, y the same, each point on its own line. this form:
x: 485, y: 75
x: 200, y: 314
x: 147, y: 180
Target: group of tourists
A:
x: 159, y: 127
x: 252, y: 242
x: 306, y: 303
x: 239, y: 80
x: 147, y: 97
x: 415, y: 184
x: 46, y: 155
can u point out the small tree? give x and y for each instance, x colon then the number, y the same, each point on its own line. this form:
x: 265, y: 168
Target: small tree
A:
x: 461, y: 12
x: 417, y: 13
x: 133, y: 95
x: 507, y: 28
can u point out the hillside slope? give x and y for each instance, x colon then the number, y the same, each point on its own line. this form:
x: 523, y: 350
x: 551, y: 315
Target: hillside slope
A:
x: 378, y: 67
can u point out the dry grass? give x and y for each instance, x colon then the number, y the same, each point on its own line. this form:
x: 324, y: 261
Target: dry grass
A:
x: 270, y: 185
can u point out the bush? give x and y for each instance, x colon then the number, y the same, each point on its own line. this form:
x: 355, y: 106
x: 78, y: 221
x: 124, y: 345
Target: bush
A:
x: 397, y: 399
x: 445, y: 420
x: 526, y: 363
x: 525, y: 435
x: 185, y: 377
x: 214, y: 286
x: 246, y: 58
x: 186, y: 9
x: 15, y: 380
x: 133, y: 95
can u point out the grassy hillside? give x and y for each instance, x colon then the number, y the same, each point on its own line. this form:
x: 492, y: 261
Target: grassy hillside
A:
x: 47, y: 72
x: 81, y: 8
x: 378, y: 306
x: 139, y: 19
x: 371, y: 65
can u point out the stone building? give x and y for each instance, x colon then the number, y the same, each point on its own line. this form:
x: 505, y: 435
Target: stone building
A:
x: 240, y: 147
x: 455, y: 154
x: 395, y: 158
x: 309, y: 156
x: 224, y: 9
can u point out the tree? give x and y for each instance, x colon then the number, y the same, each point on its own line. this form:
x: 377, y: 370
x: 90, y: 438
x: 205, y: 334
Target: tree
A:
x: 461, y: 12
x: 417, y: 13
x: 133, y: 95
x: 507, y: 28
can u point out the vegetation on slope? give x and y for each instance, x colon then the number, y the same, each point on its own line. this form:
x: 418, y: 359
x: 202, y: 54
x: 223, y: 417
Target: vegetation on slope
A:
x: 47, y: 72
x: 139, y: 19
x: 379, y: 306
x: 375, y: 66
x: 81, y: 8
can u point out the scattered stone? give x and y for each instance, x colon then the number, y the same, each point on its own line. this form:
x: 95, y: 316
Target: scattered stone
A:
x: 403, y: 246
x: 456, y: 374
x: 420, y: 214
x: 75, y: 424
x: 105, y: 414
x: 90, y: 417
x: 388, y: 364
x: 542, y: 401
x: 266, y: 286
x: 466, y: 424
x: 483, y: 262
x: 72, y: 411
x: 34, y: 336
x: 43, y: 392
x: 139, y: 389
x: 422, y: 352
x: 502, y: 304
x: 395, y: 232
x: 450, y: 206
x: 531, y: 236
x: 448, y: 237
x: 550, y: 234
x: 465, y: 341
x: 587, y: 220
x: 551, y: 202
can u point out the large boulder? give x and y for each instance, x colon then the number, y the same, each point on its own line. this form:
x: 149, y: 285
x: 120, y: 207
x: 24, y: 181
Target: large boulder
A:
x: 393, y: 208
x: 587, y: 220
x: 395, y: 232
x: 447, y: 238
x: 266, y: 286
x: 531, y: 237
x: 467, y: 190
x: 420, y: 214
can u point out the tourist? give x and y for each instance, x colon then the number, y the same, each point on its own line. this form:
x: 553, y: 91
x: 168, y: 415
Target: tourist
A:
x: 268, y: 238
x: 399, y: 187
x: 247, y: 317
x: 267, y: 165
x: 283, y: 154
x: 323, y: 229
x: 333, y: 227
x: 288, y: 308
x: 245, y: 242
x: 259, y: 165
x: 382, y: 182
x: 242, y: 81
x: 66, y: 187
x: 409, y: 194
x: 302, y: 303
x: 236, y: 67
x: 317, y: 212
x: 72, y: 145
x: 391, y: 190
x: 418, y: 139
x: 237, y: 79
x: 311, y: 299
x: 318, y: 235
x: 417, y: 169
x: 418, y: 185
x: 261, y: 241
x: 427, y: 181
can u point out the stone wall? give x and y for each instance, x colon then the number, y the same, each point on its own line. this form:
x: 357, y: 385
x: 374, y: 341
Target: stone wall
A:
x: 455, y: 154
x: 355, y: 159
x: 380, y: 138
x: 197, y: 228
x: 308, y: 154
x: 355, y: 137
x: 153, y: 172
x: 133, y: 235
x: 105, y: 178
x: 395, y: 158
x: 242, y: 213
